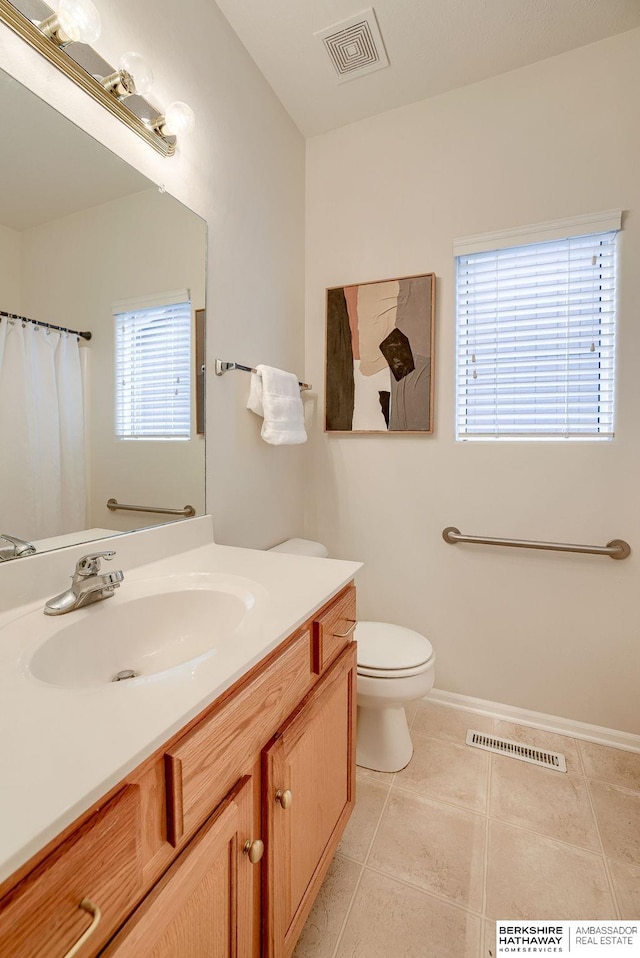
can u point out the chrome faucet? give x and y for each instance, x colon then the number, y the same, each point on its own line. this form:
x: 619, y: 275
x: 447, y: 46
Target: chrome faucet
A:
x: 86, y: 585
x: 18, y: 548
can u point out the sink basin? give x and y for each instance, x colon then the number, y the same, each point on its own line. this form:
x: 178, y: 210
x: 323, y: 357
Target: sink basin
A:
x: 148, y: 627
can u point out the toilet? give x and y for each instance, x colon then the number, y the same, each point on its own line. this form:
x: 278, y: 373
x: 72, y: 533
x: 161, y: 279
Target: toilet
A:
x: 395, y: 666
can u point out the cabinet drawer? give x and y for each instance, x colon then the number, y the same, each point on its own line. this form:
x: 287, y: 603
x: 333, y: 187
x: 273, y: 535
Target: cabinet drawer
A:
x: 333, y: 630
x: 101, y: 862
x: 202, y: 766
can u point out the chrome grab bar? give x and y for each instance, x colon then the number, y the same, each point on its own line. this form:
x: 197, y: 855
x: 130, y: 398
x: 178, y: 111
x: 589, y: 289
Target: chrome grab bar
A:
x: 114, y: 505
x: 615, y: 549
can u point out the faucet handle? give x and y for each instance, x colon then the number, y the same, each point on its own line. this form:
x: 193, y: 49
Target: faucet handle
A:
x: 90, y: 564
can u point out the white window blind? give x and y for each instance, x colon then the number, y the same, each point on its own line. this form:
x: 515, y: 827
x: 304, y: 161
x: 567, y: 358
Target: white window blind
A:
x: 153, y: 372
x: 535, y: 343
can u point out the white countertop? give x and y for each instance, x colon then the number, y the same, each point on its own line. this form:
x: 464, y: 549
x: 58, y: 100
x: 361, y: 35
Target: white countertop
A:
x: 63, y: 749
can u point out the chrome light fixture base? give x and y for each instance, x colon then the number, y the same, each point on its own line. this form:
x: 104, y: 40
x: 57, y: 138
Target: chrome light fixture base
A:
x: 120, y: 84
x: 60, y: 57
x: 51, y: 28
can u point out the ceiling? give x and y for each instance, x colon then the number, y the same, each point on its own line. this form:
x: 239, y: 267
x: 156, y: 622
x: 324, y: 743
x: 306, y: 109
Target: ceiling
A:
x: 433, y: 46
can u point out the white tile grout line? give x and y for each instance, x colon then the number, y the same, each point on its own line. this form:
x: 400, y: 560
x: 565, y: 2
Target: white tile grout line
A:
x: 607, y: 872
x: 366, y: 858
x: 405, y: 881
x: 349, y: 907
x: 425, y: 891
x: 485, y: 874
x: 549, y: 838
x: 382, y: 811
x: 458, y: 806
x: 415, y: 714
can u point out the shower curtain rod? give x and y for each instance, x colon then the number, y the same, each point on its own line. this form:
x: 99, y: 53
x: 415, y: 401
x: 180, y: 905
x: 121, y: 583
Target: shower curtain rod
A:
x: 38, y: 322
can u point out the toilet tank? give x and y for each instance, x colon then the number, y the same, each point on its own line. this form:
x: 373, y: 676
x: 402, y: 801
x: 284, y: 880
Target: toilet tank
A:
x: 302, y: 547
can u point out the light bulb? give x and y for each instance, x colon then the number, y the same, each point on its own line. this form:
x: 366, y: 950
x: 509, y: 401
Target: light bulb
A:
x: 79, y: 20
x: 137, y: 67
x: 179, y: 119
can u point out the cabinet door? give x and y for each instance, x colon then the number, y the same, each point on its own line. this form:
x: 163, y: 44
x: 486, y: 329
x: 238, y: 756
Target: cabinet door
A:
x: 204, y: 903
x: 308, y: 796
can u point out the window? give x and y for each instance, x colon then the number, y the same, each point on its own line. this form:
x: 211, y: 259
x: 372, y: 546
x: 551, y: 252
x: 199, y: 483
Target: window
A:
x: 153, y: 368
x: 536, y: 332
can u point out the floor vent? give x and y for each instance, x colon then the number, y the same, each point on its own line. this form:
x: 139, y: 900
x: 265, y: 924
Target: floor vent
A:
x: 505, y: 746
x: 355, y: 46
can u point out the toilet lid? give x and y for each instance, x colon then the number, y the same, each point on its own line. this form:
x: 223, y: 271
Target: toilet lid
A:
x: 387, y: 648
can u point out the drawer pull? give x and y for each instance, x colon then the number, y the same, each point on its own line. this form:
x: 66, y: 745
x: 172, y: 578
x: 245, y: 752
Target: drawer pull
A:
x: 97, y: 915
x: 285, y: 797
x: 254, y: 850
x: 343, y: 635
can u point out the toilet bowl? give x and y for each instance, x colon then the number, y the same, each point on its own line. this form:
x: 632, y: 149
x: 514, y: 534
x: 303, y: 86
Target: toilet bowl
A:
x: 395, y: 666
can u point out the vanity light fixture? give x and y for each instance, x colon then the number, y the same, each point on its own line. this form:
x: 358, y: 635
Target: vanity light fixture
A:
x: 62, y: 37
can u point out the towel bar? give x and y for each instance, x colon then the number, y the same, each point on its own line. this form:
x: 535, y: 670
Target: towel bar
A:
x: 615, y: 549
x: 222, y: 367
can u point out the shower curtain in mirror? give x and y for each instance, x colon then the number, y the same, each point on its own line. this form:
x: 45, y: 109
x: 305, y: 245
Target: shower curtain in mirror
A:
x: 42, y: 458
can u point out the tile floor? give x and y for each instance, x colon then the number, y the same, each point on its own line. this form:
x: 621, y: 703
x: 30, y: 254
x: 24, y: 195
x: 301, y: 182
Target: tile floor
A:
x: 434, y: 854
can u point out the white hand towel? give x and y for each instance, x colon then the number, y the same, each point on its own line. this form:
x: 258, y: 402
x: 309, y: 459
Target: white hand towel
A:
x: 275, y: 395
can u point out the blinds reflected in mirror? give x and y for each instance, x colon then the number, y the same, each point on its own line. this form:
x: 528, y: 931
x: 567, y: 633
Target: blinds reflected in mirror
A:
x: 153, y: 367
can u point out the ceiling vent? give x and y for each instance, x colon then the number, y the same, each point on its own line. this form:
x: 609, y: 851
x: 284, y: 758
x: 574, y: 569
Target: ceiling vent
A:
x: 355, y: 46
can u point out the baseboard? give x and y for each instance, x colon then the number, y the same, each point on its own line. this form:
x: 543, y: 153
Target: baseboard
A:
x: 549, y: 723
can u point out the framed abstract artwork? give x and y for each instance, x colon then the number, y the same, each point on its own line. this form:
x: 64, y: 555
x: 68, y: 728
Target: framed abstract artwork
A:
x: 379, y: 356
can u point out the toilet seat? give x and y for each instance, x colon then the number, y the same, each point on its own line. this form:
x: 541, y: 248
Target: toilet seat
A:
x: 388, y: 651
x: 392, y: 673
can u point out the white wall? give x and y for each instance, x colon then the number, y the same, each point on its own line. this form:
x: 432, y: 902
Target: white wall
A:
x: 243, y: 171
x: 10, y: 289
x: 385, y: 198
x: 141, y: 245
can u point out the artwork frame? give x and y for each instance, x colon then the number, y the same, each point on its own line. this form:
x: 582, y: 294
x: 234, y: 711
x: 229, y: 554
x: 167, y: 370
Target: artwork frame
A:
x: 377, y: 334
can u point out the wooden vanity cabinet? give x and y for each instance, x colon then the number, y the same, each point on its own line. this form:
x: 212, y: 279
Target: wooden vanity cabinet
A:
x: 173, y: 855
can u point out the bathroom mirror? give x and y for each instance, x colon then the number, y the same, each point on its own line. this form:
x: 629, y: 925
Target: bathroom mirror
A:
x: 85, y: 240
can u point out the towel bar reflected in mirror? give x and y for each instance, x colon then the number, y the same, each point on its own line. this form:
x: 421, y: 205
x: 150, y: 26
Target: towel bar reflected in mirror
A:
x: 114, y: 506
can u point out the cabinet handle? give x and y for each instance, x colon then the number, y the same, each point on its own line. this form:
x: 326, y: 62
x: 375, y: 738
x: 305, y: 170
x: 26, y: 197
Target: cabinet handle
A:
x: 254, y: 850
x: 343, y: 635
x: 285, y: 797
x: 97, y: 915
